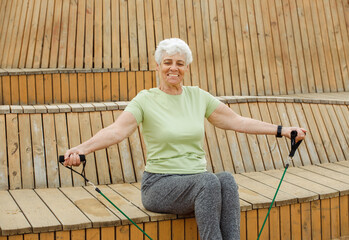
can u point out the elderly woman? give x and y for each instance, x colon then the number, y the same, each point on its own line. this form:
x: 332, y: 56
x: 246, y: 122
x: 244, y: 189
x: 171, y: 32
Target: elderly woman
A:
x: 172, y: 117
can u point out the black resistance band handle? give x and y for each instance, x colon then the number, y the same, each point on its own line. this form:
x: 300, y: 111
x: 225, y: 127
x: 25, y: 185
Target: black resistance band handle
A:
x: 294, y: 145
x: 82, y: 158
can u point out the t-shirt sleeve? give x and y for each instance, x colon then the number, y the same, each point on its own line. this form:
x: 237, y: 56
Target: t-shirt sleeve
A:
x: 135, y: 107
x: 211, y: 103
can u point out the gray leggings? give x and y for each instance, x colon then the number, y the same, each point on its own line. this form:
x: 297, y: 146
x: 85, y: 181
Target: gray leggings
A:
x: 213, y: 197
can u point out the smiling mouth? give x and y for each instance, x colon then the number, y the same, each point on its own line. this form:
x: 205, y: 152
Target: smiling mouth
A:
x: 172, y: 75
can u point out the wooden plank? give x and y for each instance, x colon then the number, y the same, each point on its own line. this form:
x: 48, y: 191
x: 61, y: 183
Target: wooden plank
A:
x: 97, y: 213
x: 14, y: 90
x: 327, y: 143
x: 255, y: 48
x: 102, y: 169
x: 165, y: 230
x: 285, y: 222
x: 33, y: 35
x: 262, y: 139
x: 178, y: 229
x: 243, y: 227
x: 62, y: 52
x: 74, y: 140
x: 66, y: 212
x: 133, y: 194
x: 272, y: 142
x: 335, y: 135
x: 56, y: 85
x: 123, y: 232
x: 344, y: 218
x: 98, y: 35
x: 275, y: 223
x: 255, y: 199
x: 106, y: 87
x: 50, y: 150
x: 252, y: 141
x: 25, y: 142
x: 326, y: 218
x: 300, y: 193
x: 125, y: 155
x: 39, y: 89
x: 36, y: 62
x: 4, y: 184
x: 125, y: 57
x: 151, y: 228
x: 342, y: 122
x: 269, y: 192
x: 93, y: 234
x: 106, y: 34
x: 252, y: 224
x: 325, y: 170
x: 296, y: 225
x: 213, y: 148
x: 14, y: 170
x: 217, y: 60
x: 224, y: 150
x: 98, y: 87
x: 31, y: 89
x: 339, y: 47
x: 48, y: 34
x: 89, y: 35
x: 242, y: 140
x: 113, y: 152
x: 81, y: 83
x: 65, y: 87
x: 150, y: 36
x: 306, y: 220
x: 334, y: 121
x: 10, y: 6
x: 55, y: 34
x: 115, y: 33
x: 127, y: 207
x: 85, y: 134
x: 38, y: 151
x: 71, y: 43
x: 313, y: 129
x: 80, y: 34
x: 11, y: 47
x: 300, y: 181
x: 137, y: 154
x: 235, y: 152
x: 12, y: 220
x: 108, y: 233
x: 40, y: 217
x: 73, y: 88
x: 48, y: 89
x: 335, y: 217
x: 262, y: 213
x: 62, y: 147
x: 141, y: 36
x: 343, y: 188
x: 202, y: 75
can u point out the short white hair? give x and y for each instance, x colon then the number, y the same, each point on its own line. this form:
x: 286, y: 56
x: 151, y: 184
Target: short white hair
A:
x: 172, y: 46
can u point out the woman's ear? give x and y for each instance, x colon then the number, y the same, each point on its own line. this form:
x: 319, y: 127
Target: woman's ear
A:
x: 157, y: 67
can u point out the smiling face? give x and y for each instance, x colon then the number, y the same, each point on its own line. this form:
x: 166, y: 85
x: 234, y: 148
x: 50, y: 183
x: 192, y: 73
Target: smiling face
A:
x: 172, y: 69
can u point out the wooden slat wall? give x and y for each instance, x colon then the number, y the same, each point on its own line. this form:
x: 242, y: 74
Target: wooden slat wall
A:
x: 28, y: 132
x: 267, y: 47
x: 70, y: 86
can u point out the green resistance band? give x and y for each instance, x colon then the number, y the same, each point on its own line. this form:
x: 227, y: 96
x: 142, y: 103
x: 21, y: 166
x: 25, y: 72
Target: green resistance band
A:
x: 82, y: 174
x: 294, y: 147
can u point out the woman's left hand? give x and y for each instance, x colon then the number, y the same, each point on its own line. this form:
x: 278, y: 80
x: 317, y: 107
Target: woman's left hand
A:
x: 301, y: 132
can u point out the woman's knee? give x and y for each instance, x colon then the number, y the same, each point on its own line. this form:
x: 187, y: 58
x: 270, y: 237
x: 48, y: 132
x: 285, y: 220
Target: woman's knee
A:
x: 210, y: 182
x: 227, y: 180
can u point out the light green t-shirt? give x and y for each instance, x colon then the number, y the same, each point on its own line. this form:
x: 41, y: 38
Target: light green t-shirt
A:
x: 173, y: 128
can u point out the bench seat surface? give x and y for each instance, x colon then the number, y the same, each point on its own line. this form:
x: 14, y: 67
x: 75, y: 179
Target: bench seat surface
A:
x: 72, y: 208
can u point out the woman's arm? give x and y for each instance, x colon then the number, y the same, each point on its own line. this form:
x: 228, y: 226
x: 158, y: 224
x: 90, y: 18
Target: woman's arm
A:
x: 123, y: 127
x: 225, y: 118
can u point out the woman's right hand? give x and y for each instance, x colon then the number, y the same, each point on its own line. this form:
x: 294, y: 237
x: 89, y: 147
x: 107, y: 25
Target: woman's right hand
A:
x: 72, y: 158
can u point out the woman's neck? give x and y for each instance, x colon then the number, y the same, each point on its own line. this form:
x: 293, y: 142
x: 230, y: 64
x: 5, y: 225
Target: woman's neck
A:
x: 172, y: 90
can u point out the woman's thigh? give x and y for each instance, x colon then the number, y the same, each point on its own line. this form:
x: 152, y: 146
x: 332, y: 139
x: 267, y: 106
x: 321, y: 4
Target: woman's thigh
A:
x: 175, y: 193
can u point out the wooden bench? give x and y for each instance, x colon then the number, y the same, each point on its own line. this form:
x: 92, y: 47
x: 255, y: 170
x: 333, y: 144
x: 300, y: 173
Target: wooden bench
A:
x: 41, y: 199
